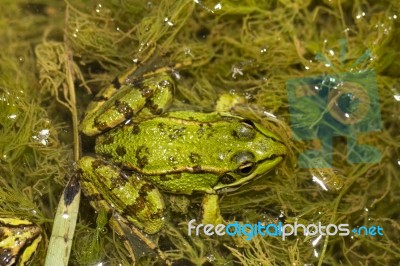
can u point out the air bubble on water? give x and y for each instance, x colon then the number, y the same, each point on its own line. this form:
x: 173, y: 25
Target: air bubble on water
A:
x: 98, y: 8
x: 360, y: 15
x: 316, y: 253
x: 211, y: 258
x: 176, y: 74
x: 236, y: 70
x: 12, y: 117
x: 268, y: 114
x: 321, y: 183
x: 315, y: 241
x: 248, y: 96
x: 42, y: 137
x: 263, y: 50
x: 75, y: 34
x: 168, y: 22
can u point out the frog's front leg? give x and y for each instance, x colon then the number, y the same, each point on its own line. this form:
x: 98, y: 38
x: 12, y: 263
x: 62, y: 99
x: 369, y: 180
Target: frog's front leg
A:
x: 130, y: 199
x: 112, y: 106
x: 210, y: 212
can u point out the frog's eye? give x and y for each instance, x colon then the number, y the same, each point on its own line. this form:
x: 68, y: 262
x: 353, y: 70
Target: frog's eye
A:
x: 246, y: 169
x: 245, y: 160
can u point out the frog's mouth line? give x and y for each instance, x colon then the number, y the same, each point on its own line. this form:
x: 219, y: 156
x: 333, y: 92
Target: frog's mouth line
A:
x: 273, y: 161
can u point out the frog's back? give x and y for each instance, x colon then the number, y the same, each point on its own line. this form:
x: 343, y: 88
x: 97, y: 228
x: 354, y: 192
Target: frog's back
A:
x: 180, y: 142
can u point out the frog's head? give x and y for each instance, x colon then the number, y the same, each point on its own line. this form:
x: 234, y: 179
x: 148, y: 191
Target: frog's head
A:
x: 260, y: 152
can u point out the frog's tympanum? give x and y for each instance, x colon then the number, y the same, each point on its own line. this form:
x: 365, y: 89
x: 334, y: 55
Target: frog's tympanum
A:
x: 142, y: 150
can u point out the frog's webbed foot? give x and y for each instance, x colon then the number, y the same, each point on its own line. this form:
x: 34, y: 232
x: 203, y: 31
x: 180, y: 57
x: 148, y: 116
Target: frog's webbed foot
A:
x: 211, y: 213
x: 127, y: 234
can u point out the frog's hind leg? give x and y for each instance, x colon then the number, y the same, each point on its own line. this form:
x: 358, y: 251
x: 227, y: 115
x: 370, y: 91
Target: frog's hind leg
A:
x: 153, y: 94
x: 138, y: 201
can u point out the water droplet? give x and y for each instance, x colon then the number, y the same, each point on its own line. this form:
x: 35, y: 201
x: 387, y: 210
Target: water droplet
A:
x: 218, y: 6
x: 12, y: 117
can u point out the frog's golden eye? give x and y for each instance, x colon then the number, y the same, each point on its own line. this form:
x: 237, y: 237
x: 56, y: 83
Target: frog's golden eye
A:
x: 245, y: 160
x: 246, y: 169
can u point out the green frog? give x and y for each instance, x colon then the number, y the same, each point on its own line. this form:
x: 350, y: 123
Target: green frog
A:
x: 143, y: 150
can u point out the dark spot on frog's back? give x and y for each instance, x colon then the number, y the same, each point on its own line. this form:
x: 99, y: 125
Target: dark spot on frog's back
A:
x: 142, y: 156
x: 154, y: 109
x: 194, y: 157
x: 133, y: 209
x: 124, y: 108
x: 121, y: 151
x: 97, y: 164
x: 146, y: 188
x: 108, y: 140
x: 226, y: 179
x: 161, y: 127
x: 135, y: 129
